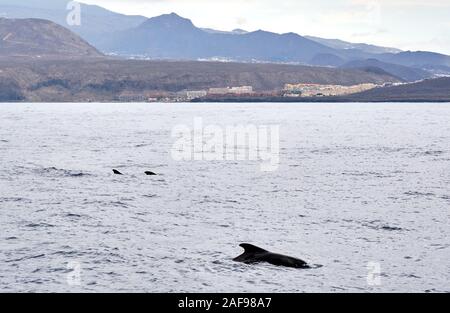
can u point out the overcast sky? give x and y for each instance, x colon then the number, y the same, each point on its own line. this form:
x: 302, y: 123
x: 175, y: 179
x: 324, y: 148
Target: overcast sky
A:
x: 405, y: 24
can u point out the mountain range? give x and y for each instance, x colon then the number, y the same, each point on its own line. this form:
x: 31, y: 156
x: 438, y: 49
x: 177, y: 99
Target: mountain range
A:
x: 45, y: 62
x: 42, y: 58
x: 171, y: 37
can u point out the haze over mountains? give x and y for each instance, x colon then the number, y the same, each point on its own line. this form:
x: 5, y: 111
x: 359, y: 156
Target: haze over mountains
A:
x: 96, y: 21
x: 173, y: 37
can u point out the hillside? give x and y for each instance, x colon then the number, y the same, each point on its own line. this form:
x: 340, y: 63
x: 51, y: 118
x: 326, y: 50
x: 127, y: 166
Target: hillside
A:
x: 424, y: 91
x: 105, y: 80
x: 431, y: 90
x: 408, y: 74
x: 40, y: 38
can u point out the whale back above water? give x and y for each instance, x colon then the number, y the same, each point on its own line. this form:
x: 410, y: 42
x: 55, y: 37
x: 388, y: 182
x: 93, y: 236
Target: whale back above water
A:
x: 254, y: 254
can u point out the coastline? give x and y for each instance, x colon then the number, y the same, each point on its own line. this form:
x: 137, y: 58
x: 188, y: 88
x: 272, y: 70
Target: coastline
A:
x: 315, y: 100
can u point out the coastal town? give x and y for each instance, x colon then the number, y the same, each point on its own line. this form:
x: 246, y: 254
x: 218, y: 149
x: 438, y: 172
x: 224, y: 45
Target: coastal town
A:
x: 295, y: 90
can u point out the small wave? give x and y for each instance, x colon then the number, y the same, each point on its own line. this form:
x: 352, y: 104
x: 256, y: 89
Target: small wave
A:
x: 365, y: 174
x: 73, y: 215
x: 119, y: 204
x: 391, y: 149
x: 207, y: 200
x: 439, y: 246
x: 35, y: 225
x: 15, y: 199
x: 391, y: 228
x: 60, y: 172
x: 419, y: 194
x: 26, y: 258
x: 378, y: 225
x: 150, y: 196
x: 323, y: 151
x: 432, y: 153
x: 68, y: 253
x: 354, y: 174
x: 428, y: 153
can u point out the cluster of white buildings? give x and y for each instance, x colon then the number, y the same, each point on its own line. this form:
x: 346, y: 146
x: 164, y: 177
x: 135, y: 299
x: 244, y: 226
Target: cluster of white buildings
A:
x: 318, y: 90
x: 243, y: 90
x: 195, y: 94
x: 290, y: 90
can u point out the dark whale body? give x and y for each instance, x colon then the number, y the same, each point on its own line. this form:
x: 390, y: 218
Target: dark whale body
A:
x: 254, y: 254
x: 117, y: 172
x: 149, y: 173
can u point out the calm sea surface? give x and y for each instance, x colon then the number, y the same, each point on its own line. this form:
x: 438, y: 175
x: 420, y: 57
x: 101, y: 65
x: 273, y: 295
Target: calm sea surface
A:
x: 360, y: 188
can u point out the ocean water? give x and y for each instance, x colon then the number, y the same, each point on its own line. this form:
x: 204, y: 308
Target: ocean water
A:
x: 361, y: 189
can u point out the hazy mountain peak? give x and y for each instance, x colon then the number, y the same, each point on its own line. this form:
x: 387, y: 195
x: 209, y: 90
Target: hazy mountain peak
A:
x: 169, y: 20
x: 263, y: 32
x: 291, y: 35
x: 239, y: 31
x: 172, y: 16
x: 236, y: 31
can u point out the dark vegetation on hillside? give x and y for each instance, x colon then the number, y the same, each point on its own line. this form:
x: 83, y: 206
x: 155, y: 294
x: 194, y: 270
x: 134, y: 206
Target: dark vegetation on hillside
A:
x: 106, y: 79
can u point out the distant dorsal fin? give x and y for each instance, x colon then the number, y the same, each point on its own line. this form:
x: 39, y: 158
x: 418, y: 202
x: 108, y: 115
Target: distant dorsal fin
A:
x: 251, y: 248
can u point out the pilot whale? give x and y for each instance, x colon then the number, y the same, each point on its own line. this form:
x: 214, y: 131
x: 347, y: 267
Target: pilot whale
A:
x: 253, y: 254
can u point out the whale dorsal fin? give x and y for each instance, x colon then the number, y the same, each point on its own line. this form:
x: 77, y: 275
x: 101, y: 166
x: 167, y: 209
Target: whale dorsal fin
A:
x: 251, y: 248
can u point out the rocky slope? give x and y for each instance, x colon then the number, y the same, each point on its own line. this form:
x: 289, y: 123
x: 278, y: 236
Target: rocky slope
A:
x: 425, y: 91
x: 105, y: 79
x: 35, y: 38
